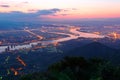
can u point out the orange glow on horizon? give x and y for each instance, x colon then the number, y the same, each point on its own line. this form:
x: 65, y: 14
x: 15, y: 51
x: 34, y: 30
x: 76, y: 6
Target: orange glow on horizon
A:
x: 69, y: 9
x: 79, y: 16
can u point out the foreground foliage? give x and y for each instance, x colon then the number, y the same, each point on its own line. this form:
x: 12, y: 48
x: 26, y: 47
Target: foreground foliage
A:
x: 78, y: 68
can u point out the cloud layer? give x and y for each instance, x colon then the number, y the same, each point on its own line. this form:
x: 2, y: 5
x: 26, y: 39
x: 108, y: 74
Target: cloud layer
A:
x: 17, y: 15
x: 4, y: 6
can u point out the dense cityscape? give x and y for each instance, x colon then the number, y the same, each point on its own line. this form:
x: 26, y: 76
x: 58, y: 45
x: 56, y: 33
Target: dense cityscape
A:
x: 43, y: 36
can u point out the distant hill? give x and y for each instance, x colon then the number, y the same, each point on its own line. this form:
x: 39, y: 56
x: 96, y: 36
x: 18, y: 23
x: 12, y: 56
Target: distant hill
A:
x: 95, y: 49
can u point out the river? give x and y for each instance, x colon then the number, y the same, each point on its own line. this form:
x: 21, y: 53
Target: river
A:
x: 74, y: 35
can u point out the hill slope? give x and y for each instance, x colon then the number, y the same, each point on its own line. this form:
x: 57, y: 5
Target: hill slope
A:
x: 94, y: 50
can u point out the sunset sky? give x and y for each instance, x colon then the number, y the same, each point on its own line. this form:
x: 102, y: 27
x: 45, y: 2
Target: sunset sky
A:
x: 58, y: 9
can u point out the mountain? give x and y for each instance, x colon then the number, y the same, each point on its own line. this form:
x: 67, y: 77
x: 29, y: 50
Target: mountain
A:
x: 95, y: 49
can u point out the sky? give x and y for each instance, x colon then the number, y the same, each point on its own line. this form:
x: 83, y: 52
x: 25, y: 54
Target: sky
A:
x: 36, y: 10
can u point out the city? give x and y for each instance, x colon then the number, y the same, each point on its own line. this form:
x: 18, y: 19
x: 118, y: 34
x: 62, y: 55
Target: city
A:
x: 43, y: 36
